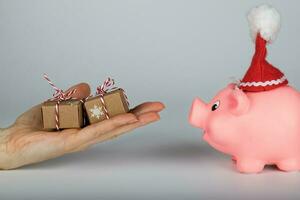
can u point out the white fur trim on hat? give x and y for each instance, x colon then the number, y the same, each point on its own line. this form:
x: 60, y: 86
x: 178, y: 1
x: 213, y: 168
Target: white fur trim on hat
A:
x: 256, y: 84
x: 265, y: 20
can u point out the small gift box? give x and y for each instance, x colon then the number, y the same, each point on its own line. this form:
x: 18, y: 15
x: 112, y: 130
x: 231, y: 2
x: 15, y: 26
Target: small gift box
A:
x: 109, y: 101
x: 62, y: 111
x: 70, y: 114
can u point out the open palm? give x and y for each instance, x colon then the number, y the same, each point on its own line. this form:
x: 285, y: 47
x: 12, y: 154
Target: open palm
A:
x: 26, y: 142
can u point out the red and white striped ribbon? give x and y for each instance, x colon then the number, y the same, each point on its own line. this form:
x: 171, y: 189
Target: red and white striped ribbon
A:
x: 58, y: 96
x: 107, y: 86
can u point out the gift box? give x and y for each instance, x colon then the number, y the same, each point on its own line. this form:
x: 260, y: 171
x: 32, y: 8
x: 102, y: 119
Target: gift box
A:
x: 107, y: 103
x: 62, y: 110
x: 70, y: 114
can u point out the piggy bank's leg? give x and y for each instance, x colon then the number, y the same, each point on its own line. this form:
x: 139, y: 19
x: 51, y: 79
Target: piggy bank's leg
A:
x: 249, y: 165
x: 289, y: 165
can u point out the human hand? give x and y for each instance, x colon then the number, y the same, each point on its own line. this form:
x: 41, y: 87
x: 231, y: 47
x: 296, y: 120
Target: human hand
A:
x: 25, y: 142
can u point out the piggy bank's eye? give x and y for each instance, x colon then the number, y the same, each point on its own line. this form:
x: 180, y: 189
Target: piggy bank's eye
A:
x: 215, y: 106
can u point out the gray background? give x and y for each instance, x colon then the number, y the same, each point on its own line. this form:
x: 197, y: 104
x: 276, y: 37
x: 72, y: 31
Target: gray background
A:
x: 157, y: 50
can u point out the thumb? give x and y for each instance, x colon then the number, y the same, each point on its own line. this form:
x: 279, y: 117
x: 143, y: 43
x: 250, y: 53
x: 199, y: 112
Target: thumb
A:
x: 82, y: 91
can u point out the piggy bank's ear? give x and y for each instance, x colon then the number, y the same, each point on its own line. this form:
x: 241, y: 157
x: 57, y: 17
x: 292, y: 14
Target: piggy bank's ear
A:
x: 239, y: 102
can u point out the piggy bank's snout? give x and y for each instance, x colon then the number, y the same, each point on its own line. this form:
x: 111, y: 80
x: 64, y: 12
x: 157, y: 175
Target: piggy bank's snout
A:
x: 198, y: 113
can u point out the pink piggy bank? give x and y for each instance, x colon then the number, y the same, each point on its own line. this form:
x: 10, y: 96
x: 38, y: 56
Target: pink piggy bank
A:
x: 256, y: 128
x: 256, y: 121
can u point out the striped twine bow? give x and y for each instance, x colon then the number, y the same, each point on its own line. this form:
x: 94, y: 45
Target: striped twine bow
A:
x: 107, y: 86
x: 58, y: 96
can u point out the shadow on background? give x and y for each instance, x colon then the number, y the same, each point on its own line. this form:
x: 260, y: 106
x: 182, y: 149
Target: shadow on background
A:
x: 105, y: 155
x: 121, y: 153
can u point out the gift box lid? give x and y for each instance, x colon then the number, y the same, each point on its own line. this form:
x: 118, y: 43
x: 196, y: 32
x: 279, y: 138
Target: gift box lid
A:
x: 66, y: 102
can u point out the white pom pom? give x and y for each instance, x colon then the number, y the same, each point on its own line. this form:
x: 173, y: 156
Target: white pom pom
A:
x: 265, y: 20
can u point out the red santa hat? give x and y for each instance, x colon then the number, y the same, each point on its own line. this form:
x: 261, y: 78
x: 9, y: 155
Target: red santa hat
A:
x: 264, y: 24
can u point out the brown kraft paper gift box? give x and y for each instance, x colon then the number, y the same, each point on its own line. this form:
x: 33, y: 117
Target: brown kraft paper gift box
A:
x: 115, y: 103
x: 70, y: 114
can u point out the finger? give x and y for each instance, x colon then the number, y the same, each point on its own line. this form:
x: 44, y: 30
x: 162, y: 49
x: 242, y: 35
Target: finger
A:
x: 82, y: 91
x: 110, y: 124
x: 148, y: 107
x: 144, y: 119
x: 95, y: 130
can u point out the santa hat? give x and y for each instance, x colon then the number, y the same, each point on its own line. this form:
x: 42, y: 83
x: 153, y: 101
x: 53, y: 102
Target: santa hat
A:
x: 264, y: 24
